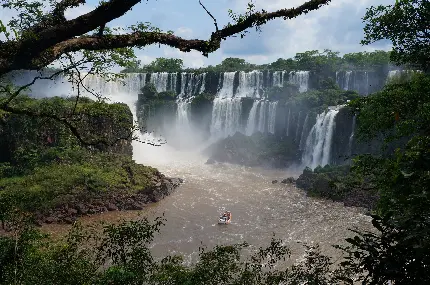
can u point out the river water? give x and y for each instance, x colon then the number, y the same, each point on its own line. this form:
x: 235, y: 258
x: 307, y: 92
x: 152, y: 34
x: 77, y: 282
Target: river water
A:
x: 259, y: 208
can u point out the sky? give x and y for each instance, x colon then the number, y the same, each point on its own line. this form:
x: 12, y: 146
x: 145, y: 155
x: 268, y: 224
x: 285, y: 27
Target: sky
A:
x: 338, y: 27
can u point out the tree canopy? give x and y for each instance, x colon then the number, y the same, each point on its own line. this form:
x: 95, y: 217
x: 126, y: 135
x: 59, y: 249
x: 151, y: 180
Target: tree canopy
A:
x: 407, y: 25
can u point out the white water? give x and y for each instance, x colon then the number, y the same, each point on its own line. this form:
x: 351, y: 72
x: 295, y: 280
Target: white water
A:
x: 318, y: 143
x: 300, y: 78
x: 272, y: 117
x: 250, y: 84
x: 288, y: 122
x: 252, y: 119
x: 298, y: 126
x: 303, y: 136
x: 262, y: 119
x: 226, y: 90
x: 351, y: 137
x: 226, y: 114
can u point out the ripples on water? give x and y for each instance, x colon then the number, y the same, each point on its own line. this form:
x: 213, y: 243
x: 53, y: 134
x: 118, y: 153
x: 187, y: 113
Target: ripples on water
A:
x: 259, y: 208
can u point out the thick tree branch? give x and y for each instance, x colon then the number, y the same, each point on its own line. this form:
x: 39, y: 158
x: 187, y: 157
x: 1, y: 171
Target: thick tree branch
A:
x: 62, y: 6
x: 15, y: 54
x: 36, y: 52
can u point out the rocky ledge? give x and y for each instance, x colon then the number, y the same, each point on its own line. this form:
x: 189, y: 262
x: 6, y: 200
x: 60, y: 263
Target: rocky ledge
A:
x: 161, y: 187
x: 337, y: 183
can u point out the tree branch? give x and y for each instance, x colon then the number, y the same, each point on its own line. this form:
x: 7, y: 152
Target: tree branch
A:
x: 49, y: 44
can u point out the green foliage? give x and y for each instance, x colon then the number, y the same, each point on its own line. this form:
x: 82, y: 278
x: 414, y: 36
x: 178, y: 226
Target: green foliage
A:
x: 399, y: 251
x: 57, y: 176
x: 364, y: 60
x: 202, y: 99
x: 24, y: 136
x: 120, y: 254
x: 338, y: 183
x: 399, y: 110
x: 160, y: 64
x: 405, y: 24
x: 325, y: 61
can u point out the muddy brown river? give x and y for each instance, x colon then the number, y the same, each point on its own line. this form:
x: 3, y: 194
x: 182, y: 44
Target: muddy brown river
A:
x: 259, y: 208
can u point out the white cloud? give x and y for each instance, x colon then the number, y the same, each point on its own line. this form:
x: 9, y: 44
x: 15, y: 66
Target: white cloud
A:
x: 78, y: 11
x: 184, y: 32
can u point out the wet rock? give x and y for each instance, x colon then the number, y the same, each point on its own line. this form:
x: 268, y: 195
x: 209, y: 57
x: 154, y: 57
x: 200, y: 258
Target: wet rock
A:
x: 274, y: 181
x: 111, y: 207
x: 82, y: 209
x: 289, y: 180
x: 71, y: 212
x: 69, y: 220
x: 50, y: 220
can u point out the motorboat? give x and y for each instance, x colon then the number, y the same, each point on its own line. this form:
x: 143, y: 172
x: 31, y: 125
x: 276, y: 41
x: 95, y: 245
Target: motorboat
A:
x: 225, y: 218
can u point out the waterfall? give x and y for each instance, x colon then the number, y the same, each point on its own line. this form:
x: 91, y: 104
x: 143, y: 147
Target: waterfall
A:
x: 159, y: 79
x: 226, y: 90
x: 250, y: 84
x: 351, y: 137
x: 203, y: 83
x: 183, y: 115
x: 173, y: 82
x: 272, y: 117
x: 347, y: 80
x: 130, y: 84
x: 298, y: 127
x: 300, y: 78
x: 304, y: 129
x: 318, y: 142
x: 262, y: 120
x: 252, y: 119
x: 278, y: 78
x: 288, y: 122
x: 226, y: 116
x: 183, y: 84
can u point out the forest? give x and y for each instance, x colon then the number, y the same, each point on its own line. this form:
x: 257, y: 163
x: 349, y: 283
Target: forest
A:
x: 65, y: 158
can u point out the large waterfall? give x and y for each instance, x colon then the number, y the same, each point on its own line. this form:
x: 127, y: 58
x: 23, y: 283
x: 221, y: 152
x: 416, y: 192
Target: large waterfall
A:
x: 318, y: 143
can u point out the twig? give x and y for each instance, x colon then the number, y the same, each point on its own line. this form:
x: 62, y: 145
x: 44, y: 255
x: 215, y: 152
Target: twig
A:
x: 209, y: 13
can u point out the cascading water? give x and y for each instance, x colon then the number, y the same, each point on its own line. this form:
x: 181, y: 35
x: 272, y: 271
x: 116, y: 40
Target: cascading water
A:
x: 182, y: 115
x: 252, y: 119
x: 226, y: 114
x: 347, y: 79
x: 226, y: 90
x: 318, y: 142
x: 272, y: 117
x: 304, y: 133
x: 288, y: 122
x: 262, y: 119
x: 300, y: 78
x: 160, y: 80
x: 250, y: 84
x: 298, y: 126
x: 351, y: 137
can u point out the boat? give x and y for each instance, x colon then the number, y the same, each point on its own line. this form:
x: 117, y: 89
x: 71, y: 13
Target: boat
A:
x: 225, y: 218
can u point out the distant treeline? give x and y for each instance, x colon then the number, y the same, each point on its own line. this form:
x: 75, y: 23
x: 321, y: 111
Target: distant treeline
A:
x: 313, y: 60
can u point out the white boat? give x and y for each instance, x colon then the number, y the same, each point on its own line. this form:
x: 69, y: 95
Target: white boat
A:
x: 225, y: 218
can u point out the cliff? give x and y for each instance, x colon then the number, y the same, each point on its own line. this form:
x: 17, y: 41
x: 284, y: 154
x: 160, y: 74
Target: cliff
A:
x: 47, y: 171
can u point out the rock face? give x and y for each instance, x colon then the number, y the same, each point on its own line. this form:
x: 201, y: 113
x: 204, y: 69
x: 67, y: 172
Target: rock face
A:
x: 161, y: 187
x: 337, y: 184
x: 256, y: 150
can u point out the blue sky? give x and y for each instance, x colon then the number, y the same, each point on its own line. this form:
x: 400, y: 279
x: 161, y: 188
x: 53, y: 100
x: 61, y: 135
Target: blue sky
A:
x: 337, y: 26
